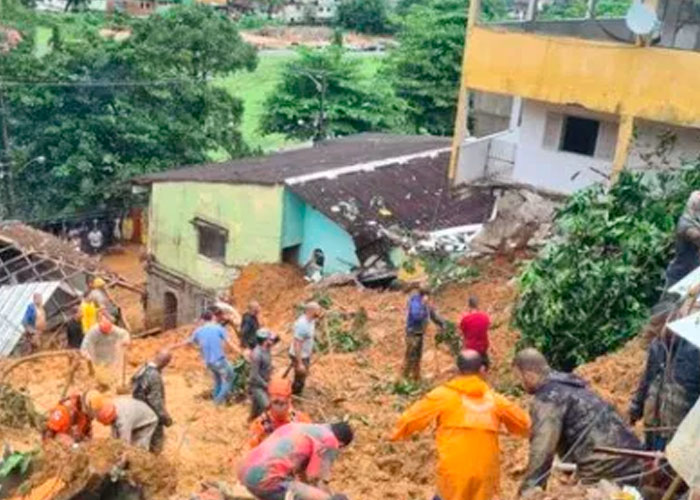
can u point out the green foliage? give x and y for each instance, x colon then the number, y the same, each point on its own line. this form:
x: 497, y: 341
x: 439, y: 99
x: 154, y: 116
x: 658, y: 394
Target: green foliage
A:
x: 121, y: 108
x: 344, y: 338
x: 572, y: 9
x: 444, y: 269
x: 17, y: 462
x: 591, y: 288
x: 425, y: 68
x: 241, y: 372
x: 449, y: 337
x: 323, y: 94
x: 406, y: 387
x: 365, y: 16
x: 256, y: 21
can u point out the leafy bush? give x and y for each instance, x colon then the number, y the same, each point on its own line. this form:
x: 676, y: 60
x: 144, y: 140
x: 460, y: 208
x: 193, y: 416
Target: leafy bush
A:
x: 342, y: 337
x: 591, y: 288
x: 450, y: 337
x: 365, y: 16
x: 257, y: 21
x: 445, y: 269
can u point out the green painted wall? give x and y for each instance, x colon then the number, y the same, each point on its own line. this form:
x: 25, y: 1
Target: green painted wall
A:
x: 252, y: 214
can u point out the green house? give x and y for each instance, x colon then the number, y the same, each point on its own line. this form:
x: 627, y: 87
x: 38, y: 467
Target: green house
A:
x: 207, y: 221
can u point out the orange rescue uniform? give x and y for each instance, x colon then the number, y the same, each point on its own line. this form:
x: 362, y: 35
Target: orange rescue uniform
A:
x: 266, y: 424
x: 469, y: 416
x: 69, y: 417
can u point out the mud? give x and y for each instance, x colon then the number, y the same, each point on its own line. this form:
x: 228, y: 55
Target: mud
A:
x: 206, y: 442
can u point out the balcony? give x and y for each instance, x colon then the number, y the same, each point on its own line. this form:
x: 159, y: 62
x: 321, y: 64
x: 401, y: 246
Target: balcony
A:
x: 589, y: 63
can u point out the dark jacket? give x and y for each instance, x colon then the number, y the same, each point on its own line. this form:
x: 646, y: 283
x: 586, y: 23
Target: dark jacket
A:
x: 260, y: 368
x: 249, y: 326
x: 148, y: 387
x: 569, y: 420
x: 670, y: 385
x: 418, y: 315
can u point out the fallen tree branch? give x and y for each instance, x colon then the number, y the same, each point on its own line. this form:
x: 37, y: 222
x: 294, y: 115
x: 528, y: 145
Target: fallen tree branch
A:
x: 32, y: 357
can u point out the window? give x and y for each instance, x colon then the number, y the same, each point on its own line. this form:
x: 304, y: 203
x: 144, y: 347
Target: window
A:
x: 211, y: 239
x: 580, y: 135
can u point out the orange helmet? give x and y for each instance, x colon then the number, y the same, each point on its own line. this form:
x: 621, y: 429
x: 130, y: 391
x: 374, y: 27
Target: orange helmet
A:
x: 59, y: 419
x: 105, y: 326
x: 107, y: 414
x: 280, y: 387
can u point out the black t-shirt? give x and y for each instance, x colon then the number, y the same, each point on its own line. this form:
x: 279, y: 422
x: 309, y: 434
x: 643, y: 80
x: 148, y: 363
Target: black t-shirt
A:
x: 74, y: 332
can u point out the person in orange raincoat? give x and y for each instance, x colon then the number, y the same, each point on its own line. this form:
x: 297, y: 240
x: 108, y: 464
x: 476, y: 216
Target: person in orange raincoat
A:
x: 69, y: 420
x: 469, y: 417
x: 279, y: 413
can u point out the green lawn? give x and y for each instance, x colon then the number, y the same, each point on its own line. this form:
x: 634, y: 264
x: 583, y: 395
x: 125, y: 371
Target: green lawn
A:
x: 254, y: 88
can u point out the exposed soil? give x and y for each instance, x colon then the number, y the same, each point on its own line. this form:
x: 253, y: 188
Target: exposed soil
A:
x: 285, y: 37
x: 205, y: 441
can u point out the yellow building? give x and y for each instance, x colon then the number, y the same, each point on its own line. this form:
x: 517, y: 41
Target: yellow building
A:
x: 589, y: 97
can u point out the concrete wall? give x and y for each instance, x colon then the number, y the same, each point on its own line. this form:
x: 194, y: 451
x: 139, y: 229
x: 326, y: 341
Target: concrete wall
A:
x: 489, y: 156
x: 660, y: 146
x: 251, y: 214
x: 650, y: 83
x: 294, y: 209
x: 491, y: 113
x: 539, y: 160
x: 336, y: 243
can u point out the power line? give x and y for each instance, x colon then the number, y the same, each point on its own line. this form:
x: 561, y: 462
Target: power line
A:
x: 96, y: 83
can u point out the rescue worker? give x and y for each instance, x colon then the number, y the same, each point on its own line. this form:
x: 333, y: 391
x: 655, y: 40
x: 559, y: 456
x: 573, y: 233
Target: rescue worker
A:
x: 420, y: 311
x: 105, y: 346
x: 260, y: 372
x: 69, y: 421
x: 34, y: 323
x: 469, y: 416
x: 211, y: 337
x: 687, y: 249
x: 250, y: 323
x: 292, y: 454
x: 131, y: 420
x: 570, y: 420
x: 148, y: 387
x: 669, y: 387
x: 280, y: 412
x: 303, y: 345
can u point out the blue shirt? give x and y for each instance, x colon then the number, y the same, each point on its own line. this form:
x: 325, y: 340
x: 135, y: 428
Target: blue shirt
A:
x: 210, y: 338
x: 29, y: 318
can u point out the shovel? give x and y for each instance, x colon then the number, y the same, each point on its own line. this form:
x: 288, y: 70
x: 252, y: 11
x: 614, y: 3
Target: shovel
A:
x: 123, y: 388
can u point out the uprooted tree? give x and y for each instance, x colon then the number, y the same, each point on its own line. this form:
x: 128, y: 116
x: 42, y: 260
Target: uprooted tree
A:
x: 591, y: 288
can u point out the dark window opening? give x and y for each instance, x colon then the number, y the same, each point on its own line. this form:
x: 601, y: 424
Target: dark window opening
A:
x: 290, y: 255
x: 212, y: 240
x: 580, y: 135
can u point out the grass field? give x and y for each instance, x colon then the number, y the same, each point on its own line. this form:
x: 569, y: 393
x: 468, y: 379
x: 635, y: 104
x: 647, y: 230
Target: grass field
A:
x: 254, y: 88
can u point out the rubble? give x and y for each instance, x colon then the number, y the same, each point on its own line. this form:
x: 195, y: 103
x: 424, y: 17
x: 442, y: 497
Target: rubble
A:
x: 523, y: 218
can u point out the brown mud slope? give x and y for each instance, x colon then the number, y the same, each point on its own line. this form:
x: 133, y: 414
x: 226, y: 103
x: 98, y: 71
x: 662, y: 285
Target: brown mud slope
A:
x: 206, y: 442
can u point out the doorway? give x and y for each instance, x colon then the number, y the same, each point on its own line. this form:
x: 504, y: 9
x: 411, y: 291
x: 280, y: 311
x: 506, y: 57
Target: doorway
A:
x: 169, y: 311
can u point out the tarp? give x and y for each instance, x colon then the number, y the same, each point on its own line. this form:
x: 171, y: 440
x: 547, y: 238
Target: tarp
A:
x: 684, y: 285
x: 14, y: 300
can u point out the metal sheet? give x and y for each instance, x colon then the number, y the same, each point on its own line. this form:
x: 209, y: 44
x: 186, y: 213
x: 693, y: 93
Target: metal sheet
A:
x: 14, y: 300
x: 688, y: 328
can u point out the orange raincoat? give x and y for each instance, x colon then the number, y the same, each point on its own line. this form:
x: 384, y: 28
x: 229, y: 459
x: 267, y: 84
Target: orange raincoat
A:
x: 469, y: 416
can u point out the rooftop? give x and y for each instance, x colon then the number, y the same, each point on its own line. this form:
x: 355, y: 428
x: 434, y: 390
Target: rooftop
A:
x: 327, y: 155
x: 412, y: 194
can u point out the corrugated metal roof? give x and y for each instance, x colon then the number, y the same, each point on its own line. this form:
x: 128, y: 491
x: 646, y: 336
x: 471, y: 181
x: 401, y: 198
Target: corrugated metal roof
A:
x: 14, y: 300
x: 325, y: 155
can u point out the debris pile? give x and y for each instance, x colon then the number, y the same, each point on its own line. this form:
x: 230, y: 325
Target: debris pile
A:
x: 17, y: 410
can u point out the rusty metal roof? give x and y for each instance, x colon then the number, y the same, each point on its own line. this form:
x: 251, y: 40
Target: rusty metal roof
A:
x: 414, y: 195
x: 327, y: 155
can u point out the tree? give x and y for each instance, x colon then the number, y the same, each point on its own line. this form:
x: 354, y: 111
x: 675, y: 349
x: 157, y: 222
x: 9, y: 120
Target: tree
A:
x: 322, y: 94
x: 425, y: 68
x: 591, y: 287
x: 111, y: 110
x: 572, y: 9
x: 365, y: 16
